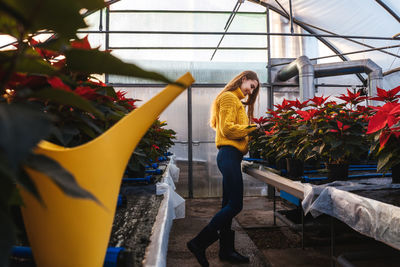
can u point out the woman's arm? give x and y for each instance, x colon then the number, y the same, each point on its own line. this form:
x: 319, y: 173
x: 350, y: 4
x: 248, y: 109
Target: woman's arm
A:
x: 227, y: 119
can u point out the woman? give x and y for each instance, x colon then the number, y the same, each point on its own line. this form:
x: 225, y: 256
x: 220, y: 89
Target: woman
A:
x: 231, y: 123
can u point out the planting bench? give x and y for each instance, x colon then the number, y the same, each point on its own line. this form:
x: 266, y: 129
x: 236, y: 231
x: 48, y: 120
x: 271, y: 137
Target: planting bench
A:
x: 371, y: 217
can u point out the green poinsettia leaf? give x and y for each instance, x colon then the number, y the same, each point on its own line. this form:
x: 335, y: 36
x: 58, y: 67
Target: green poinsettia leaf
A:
x: 60, y: 176
x: 31, y: 64
x: 38, y: 15
x: 67, y: 98
x: 383, y: 160
x: 15, y: 122
x: 7, y: 237
x: 26, y: 182
x: 94, y: 61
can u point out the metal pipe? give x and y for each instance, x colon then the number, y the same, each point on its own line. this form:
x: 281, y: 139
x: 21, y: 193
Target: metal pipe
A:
x: 186, y: 47
x: 164, y: 11
x: 308, y: 29
x: 190, y: 142
x: 367, y: 66
x: 228, y: 24
x: 350, y: 53
x: 243, y: 33
x: 388, y: 9
x: 206, y: 85
x: 391, y: 71
x: 270, y: 103
x: 291, y: 17
x: 303, y: 67
x: 307, y: 72
x: 107, y: 38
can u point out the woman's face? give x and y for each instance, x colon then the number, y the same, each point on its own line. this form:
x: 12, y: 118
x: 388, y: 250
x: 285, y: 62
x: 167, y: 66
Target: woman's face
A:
x: 248, y: 86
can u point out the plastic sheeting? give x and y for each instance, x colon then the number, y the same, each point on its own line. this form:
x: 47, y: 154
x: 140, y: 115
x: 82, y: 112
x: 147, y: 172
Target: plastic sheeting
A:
x: 367, y: 216
x: 172, y: 207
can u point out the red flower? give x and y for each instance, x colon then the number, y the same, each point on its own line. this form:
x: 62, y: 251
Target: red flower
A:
x: 308, y: 114
x: 56, y: 82
x: 387, y: 96
x: 319, y: 100
x: 86, y: 92
x: 353, y: 98
x: 261, y: 120
x: 284, y: 106
x: 296, y: 103
x: 340, y: 126
x: 129, y: 101
x: 48, y: 54
x: 81, y: 43
x: 270, y: 132
x: 386, y: 115
x: 155, y: 147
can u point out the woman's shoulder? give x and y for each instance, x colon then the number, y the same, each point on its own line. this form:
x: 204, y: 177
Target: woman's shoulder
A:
x: 228, y: 95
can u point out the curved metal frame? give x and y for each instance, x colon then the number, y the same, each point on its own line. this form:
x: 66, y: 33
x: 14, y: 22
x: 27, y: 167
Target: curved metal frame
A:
x: 306, y: 28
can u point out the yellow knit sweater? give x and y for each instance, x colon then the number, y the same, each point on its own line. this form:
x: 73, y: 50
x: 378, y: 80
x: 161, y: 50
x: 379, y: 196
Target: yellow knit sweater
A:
x: 232, y: 121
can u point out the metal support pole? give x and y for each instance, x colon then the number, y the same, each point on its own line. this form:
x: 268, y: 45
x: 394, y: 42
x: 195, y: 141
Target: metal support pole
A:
x: 101, y: 20
x: 332, y: 241
x: 291, y: 17
x: 107, y: 37
x: 190, y: 142
x: 270, y: 88
x: 270, y: 103
x: 274, y: 198
x: 302, y: 227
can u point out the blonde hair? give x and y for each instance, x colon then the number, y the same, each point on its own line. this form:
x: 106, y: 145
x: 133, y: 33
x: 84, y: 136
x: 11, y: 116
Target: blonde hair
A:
x: 234, y: 84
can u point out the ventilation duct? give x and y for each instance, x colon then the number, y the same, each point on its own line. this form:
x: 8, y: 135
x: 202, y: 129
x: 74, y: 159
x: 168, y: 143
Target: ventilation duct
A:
x: 303, y: 67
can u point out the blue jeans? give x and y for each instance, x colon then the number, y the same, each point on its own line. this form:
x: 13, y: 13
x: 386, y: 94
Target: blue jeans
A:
x: 228, y: 160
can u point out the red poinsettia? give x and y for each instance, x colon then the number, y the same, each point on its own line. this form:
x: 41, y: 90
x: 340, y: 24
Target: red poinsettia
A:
x: 341, y: 127
x: 307, y: 114
x: 296, y: 103
x: 386, y: 117
x: 260, y: 120
x: 286, y: 105
x: 129, y: 101
x: 353, y: 98
x: 81, y: 43
x: 387, y: 96
x: 56, y: 82
x: 45, y: 53
x: 319, y: 100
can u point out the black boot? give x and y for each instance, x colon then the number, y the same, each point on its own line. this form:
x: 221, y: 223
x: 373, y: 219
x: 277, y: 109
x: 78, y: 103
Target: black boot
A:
x: 227, y: 250
x: 199, y: 244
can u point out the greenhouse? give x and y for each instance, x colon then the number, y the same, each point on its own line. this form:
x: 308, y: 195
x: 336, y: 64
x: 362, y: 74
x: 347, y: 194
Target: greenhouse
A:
x: 199, y: 133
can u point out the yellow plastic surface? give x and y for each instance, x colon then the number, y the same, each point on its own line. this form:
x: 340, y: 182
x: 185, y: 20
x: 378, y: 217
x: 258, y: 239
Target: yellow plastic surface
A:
x: 75, y: 232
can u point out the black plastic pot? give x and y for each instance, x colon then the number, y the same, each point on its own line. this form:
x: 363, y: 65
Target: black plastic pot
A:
x: 280, y: 164
x: 396, y: 174
x: 295, y: 168
x: 338, y: 171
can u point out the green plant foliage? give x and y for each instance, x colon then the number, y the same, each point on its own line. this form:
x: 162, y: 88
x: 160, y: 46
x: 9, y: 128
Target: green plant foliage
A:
x: 94, y: 61
x: 47, y: 91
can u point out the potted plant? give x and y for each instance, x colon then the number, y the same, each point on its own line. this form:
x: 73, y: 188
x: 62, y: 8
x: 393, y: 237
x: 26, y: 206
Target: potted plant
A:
x: 384, y: 130
x: 336, y: 132
x: 284, y: 135
x: 52, y: 79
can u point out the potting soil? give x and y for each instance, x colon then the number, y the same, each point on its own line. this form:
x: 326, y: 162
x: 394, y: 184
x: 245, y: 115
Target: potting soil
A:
x: 133, y: 223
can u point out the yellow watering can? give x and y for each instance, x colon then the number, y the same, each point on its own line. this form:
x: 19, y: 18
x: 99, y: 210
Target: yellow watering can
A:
x: 75, y: 232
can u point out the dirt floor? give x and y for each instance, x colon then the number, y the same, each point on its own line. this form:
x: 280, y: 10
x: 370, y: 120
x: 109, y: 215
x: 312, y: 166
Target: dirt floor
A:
x: 277, y: 245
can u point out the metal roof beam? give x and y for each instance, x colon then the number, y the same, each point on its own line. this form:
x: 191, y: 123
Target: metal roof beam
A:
x: 348, y: 53
x: 318, y: 36
x: 388, y: 9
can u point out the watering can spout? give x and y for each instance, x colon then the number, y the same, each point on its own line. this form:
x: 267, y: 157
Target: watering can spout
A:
x: 77, y: 225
